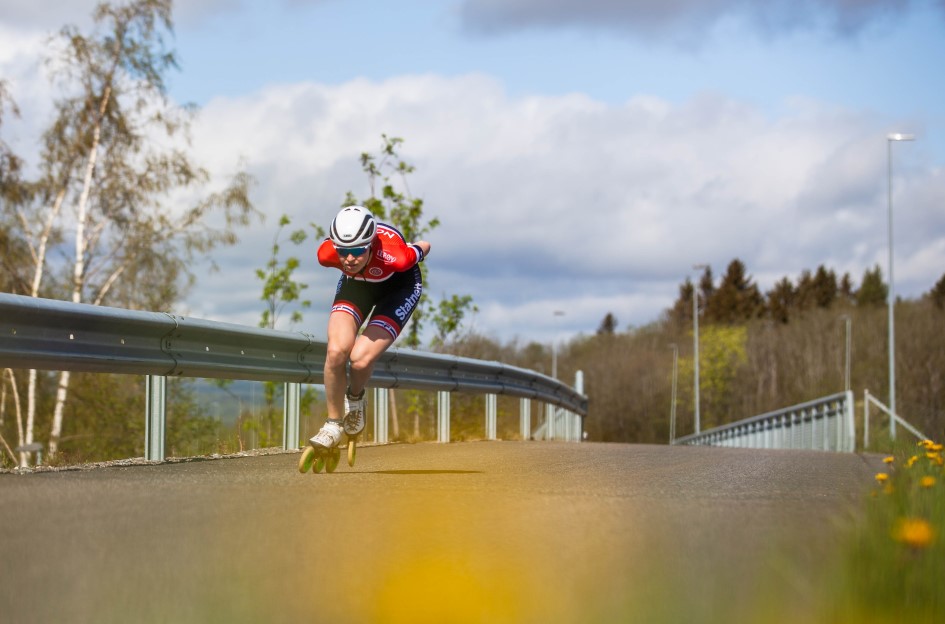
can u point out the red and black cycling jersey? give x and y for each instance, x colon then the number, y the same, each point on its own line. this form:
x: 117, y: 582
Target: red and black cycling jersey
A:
x: 387, y: 289
x: 390, y: 254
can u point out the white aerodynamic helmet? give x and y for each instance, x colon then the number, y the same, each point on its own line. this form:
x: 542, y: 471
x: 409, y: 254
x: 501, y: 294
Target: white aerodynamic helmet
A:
x: 354, y: 226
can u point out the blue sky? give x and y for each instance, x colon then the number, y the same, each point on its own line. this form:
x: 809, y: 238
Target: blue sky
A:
x: 656, y: 134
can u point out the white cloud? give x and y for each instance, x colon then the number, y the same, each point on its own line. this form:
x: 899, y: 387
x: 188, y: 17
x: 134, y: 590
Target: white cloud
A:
x: 566, y: 203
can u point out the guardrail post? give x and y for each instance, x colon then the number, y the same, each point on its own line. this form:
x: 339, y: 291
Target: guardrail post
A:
x: 848, y: 430
x: 491, y: 410
x: 380, y: 415
x: 290, y: 415
x: 866, y: 419
x: 578, y: 421
x: 443, y: 416
x: 525, y: 412
x: 155, y: 401
x: 550, y: 414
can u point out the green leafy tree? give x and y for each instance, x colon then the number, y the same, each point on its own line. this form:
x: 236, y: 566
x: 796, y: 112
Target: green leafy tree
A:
x: 391, y: 200
x: 722, y: 353
x: 449, y: 317
x: 280, y: 290
x: 96, y: 219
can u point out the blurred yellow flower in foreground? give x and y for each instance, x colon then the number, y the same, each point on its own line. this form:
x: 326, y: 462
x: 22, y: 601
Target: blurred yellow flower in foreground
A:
x: 927, y: 481
x: 882, y: 477
x: 914, y: 532
x: 889, y: 460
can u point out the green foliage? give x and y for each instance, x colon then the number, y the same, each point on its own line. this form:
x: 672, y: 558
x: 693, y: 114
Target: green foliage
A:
x: 390, y: 200
x: 722, y: 353
x: 736, y: 298
x: 280, y: 289
x: 449, y: 317
x: 106, y: 420
x: 937, y: 294
x: 895, y: 561
x: 873, y: 291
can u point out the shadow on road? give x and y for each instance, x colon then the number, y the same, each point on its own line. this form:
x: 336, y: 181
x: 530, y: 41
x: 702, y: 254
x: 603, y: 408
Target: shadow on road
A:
x: 424, y: 472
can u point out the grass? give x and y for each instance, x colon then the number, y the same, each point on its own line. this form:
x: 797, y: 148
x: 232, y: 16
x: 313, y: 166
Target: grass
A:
x: 893, y: 569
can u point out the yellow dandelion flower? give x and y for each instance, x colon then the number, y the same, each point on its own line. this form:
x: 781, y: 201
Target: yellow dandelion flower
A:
x: 937, y: 448
x: 925, y: 443
x: 913, y: 532
x: 932, y: 456
x: 882, y: 477
x: 927, y: 482
x: 911, y: 461
x: 889, y: 460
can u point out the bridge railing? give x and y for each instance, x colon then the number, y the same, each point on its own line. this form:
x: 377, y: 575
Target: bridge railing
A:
x: 823, y: 424
x: 57, y: 335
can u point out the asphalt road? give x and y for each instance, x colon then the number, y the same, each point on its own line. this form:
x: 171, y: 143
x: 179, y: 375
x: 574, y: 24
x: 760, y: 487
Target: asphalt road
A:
x: 471, y: 532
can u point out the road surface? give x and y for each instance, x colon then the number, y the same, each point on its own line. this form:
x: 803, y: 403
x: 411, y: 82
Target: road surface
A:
x: 469, y: 532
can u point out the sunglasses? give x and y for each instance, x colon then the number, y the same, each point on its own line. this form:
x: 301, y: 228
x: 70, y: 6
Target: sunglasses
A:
x: 357, y: 252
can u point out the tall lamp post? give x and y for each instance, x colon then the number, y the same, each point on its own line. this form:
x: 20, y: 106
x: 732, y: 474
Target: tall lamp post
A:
x: 890, y: 138
x: 695, y: 342
x: 847, y: 348
x: 672, y: 407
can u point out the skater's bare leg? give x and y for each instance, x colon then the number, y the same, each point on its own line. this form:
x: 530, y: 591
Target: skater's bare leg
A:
x: 368, y: 347
x: 342, y: 335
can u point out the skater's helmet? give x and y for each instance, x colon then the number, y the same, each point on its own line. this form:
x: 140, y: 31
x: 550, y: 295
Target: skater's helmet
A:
x: 353, y: 226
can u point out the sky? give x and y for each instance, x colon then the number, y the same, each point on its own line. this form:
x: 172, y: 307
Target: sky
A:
x: 581, y: 155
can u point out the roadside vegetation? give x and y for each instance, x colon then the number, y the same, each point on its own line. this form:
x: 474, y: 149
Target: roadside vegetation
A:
x: 893, y: 563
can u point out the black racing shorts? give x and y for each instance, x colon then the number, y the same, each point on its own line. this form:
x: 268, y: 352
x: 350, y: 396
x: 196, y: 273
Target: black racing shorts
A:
x: 392, y: 301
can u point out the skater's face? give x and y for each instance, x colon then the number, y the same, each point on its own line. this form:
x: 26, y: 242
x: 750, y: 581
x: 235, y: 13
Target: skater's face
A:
x: 354, y: 259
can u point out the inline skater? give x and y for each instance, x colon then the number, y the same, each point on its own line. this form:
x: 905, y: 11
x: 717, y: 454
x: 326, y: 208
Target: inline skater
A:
x: 379, y: 289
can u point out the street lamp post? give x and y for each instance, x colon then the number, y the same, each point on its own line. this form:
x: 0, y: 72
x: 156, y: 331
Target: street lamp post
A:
x: 892, y: 293
x: 847, y: 348
x: 695, y: 343
x: 672, y: 408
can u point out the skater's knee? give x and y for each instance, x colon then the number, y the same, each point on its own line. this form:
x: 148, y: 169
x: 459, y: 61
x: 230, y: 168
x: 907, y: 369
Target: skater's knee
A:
x: 336, y: 358
x: 361, y: 364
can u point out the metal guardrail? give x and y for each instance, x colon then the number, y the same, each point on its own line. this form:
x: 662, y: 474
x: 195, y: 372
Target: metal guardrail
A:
x: 823, y: 424
x: 894, y: 418
x: 58, y: 335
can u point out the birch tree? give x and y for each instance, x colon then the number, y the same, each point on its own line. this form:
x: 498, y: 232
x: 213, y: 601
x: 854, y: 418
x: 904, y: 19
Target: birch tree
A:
x: 99, y: 220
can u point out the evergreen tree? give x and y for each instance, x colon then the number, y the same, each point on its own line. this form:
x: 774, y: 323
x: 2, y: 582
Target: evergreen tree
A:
x: 847, y: 292
x: 782, y: 300
x: 937, y: 294
x: 607, y: 326
x: 804, y: 295
x: 873, y: 290
x: 680, y: 315
x: 824, y: 287
x: 737, y: 299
